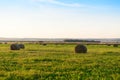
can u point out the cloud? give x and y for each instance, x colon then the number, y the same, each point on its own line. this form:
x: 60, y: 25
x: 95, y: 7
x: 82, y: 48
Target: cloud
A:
x: 61, y: 3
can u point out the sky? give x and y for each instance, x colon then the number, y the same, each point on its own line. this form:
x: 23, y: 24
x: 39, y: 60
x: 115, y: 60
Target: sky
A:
x: 60, y: 18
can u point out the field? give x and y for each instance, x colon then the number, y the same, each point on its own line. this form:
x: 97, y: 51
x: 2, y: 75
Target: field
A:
x: 59, y: 62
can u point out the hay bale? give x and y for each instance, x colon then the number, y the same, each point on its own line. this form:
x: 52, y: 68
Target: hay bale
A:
x: 14, y: 47
x: 115, y: 45
x: 21, y: 46
x: 80, y: 49
x: 44, y: 44
x: 108, y: 44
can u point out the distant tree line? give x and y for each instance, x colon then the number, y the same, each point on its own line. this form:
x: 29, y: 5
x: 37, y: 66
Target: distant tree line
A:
x: 77, y: 40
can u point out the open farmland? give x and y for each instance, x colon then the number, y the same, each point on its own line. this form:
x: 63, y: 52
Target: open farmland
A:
x: 59, y: 62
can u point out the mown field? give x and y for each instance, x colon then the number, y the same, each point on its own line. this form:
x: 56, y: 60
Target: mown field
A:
x: 59, y: 62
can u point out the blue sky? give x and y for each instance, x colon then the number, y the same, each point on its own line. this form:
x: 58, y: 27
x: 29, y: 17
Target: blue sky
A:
x: 60, y: 18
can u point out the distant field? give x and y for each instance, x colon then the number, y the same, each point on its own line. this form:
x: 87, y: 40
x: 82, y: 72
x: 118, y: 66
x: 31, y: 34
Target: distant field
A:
x: 59, y: 62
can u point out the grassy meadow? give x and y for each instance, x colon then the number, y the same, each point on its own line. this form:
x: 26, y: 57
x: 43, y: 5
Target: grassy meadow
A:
x: 59, y: 62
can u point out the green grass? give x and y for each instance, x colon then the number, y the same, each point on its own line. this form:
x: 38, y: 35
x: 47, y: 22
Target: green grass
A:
x: 59, y: 62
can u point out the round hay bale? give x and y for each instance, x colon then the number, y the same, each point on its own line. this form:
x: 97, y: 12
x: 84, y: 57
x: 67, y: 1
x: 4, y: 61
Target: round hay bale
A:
x: 44, y: 44
x: 80, y: 49
x: 108, y: 44
x: 21, y: 46
x: 115, y: 45
x: 14, y: 47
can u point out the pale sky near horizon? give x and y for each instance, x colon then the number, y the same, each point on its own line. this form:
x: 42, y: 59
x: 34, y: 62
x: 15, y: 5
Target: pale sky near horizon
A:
x: 60, y: 18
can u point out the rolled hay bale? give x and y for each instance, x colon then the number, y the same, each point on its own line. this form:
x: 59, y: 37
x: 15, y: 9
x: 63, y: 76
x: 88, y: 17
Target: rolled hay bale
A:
x: 21, y: 46
x: 108, y: 44
x: 14, y: 47
x: 80, y: 49
x: 115, y: 45
x: 44, y: 44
